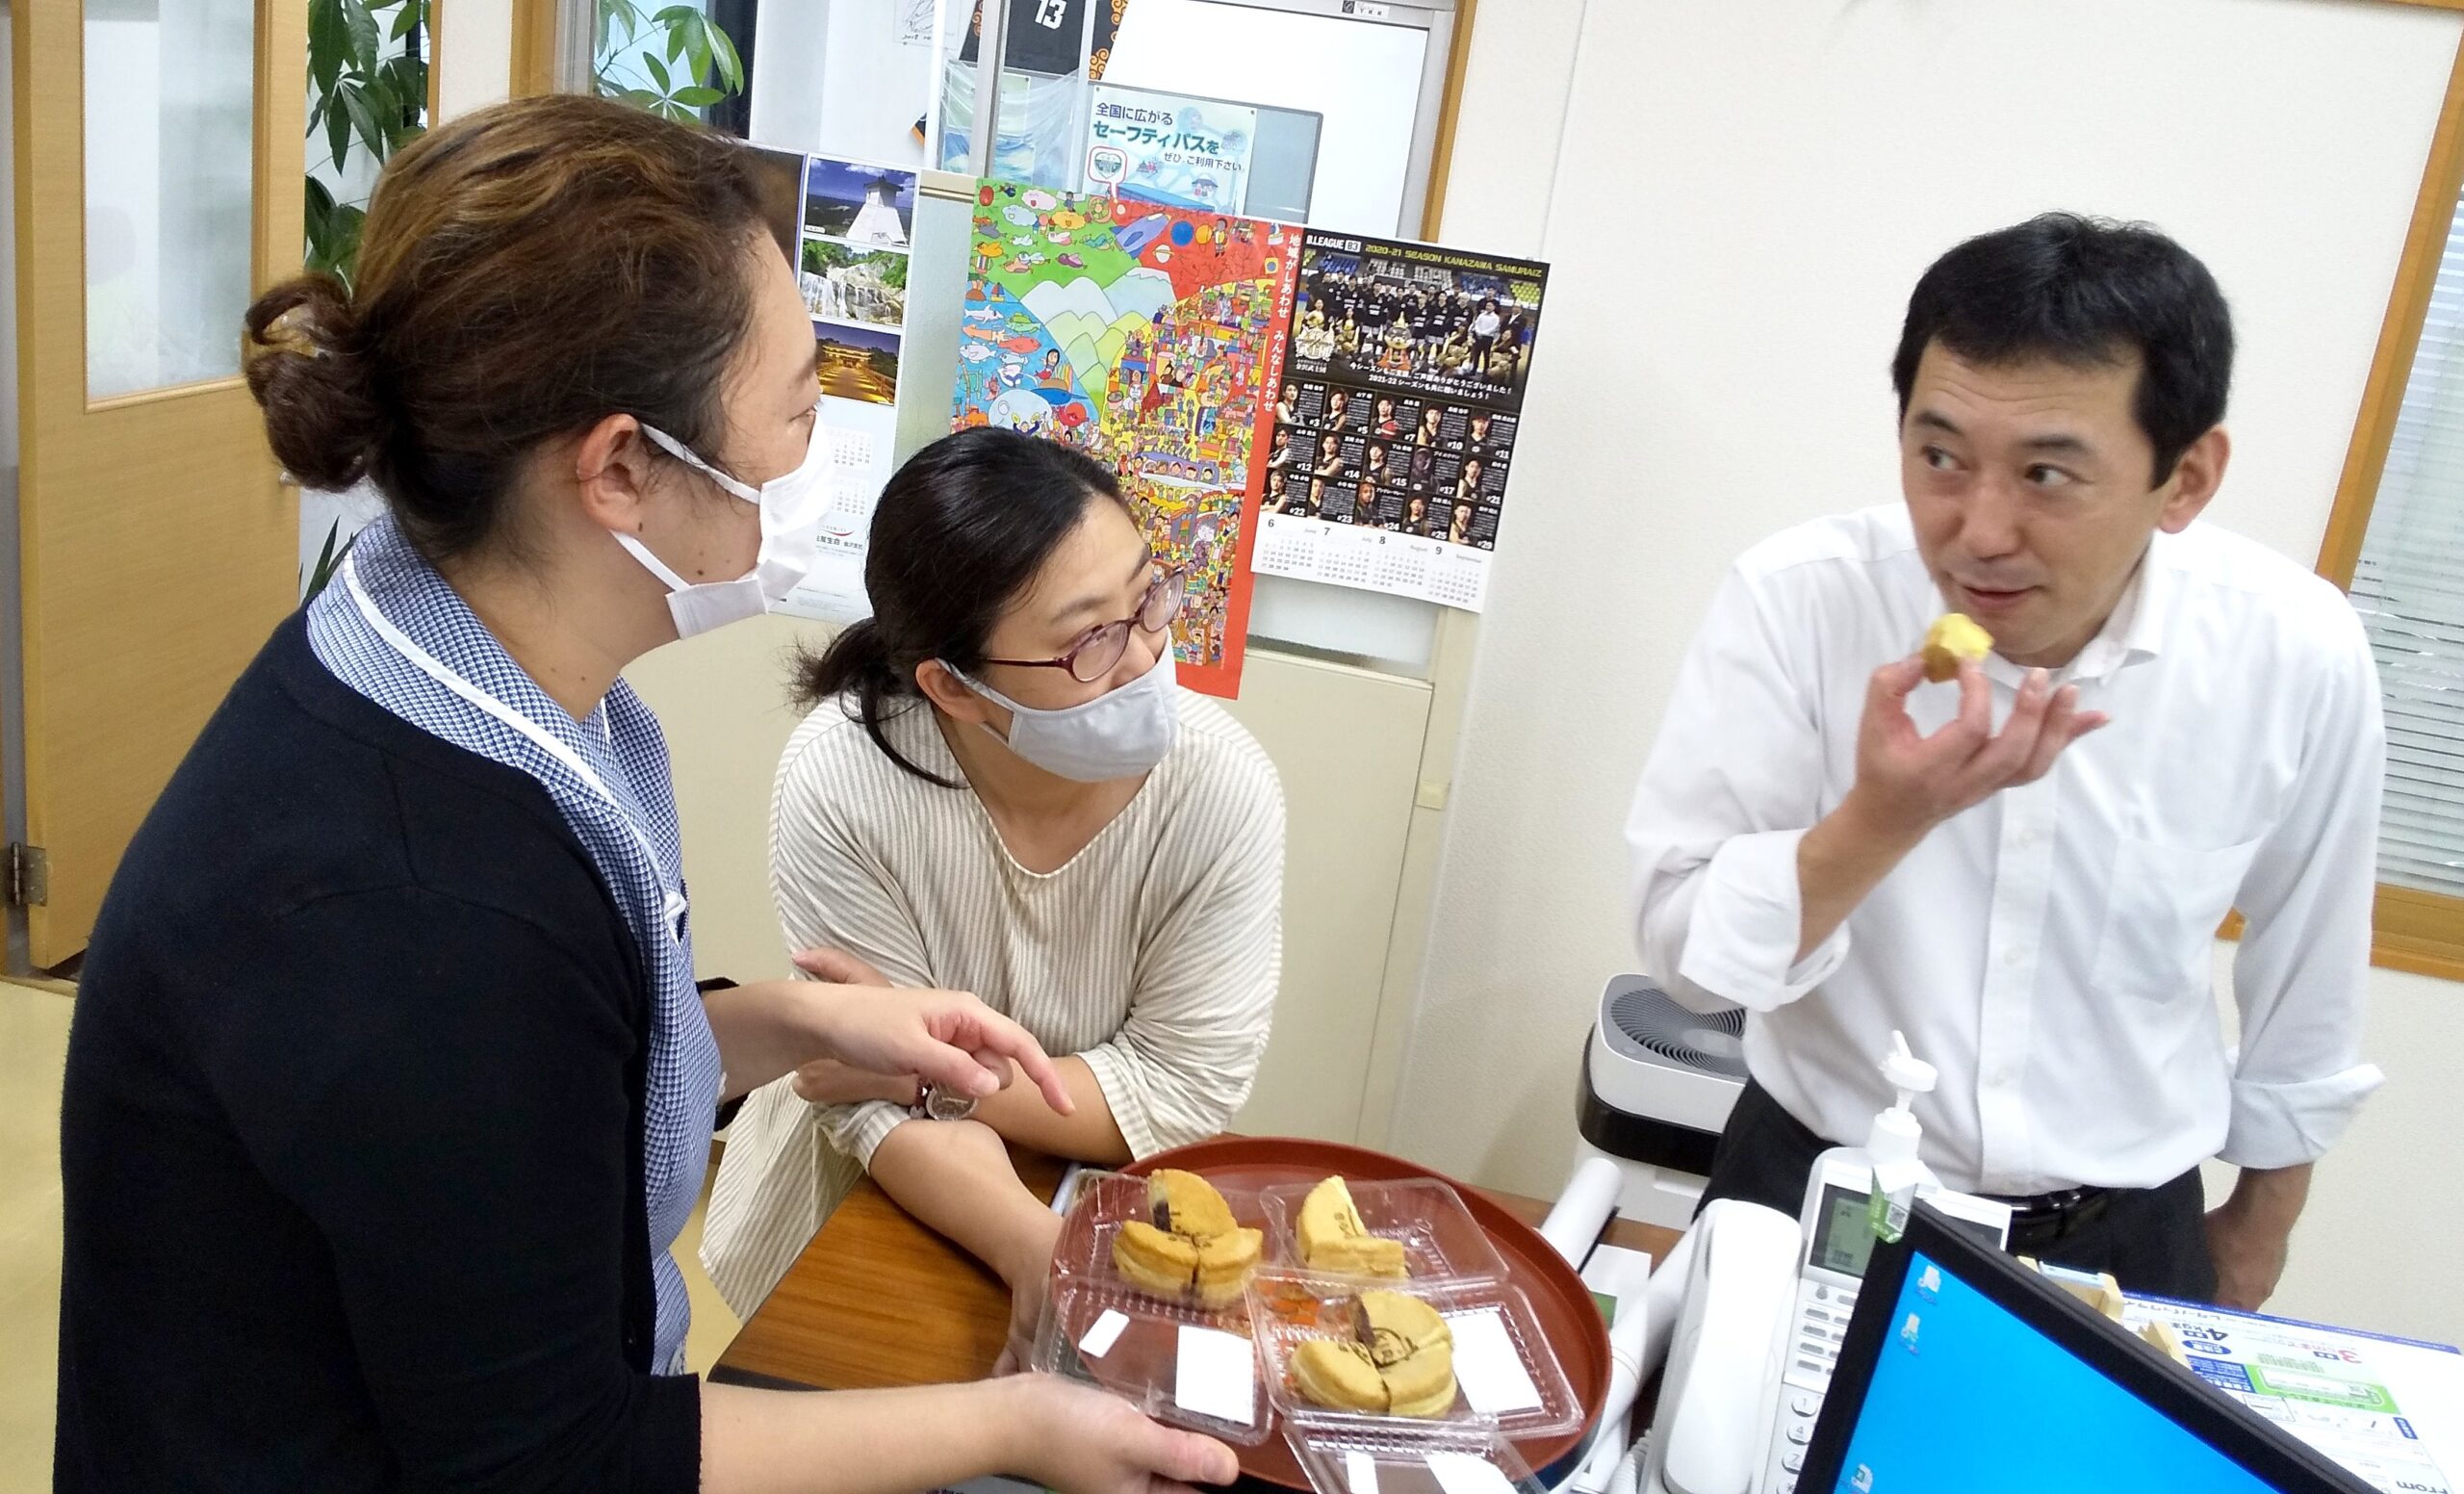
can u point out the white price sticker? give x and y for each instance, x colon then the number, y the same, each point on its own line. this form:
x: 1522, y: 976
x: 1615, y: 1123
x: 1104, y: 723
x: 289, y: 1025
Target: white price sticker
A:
x: 1462, y: 1473
x: 1489, y: 1365
x: 1217, y: 1376
x: 1106, y: 1332
x: 1360, y: 1471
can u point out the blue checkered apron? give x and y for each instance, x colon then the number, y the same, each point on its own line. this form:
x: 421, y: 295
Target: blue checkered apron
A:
x: 391, y: 629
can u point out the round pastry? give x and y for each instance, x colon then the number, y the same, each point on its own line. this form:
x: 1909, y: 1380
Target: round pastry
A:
x: 1332, y: 1236
x: 1193, y: 1249
x: 1395, y: 1327
x: 1154, y: 1261
x: 1336, y: 1373
x: 1398, y: 1340
x: 1184, y: 1203
x: 1224, y: 1266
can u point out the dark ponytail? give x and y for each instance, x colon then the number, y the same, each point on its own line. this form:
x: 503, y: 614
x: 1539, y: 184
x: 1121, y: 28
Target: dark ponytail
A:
x: 959, y: 532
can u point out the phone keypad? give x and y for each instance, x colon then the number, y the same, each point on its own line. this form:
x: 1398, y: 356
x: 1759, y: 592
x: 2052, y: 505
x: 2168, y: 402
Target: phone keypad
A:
x: 1813, y: 1352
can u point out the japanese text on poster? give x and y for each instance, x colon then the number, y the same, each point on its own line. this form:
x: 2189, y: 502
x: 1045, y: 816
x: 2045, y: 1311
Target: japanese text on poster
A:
x: 1169, y: 149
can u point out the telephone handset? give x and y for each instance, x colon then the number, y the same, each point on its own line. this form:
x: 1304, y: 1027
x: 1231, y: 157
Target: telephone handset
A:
x: 1728, y: 1353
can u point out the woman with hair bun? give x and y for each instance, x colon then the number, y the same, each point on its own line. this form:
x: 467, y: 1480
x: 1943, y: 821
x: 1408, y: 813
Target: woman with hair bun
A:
x: 1000, y: 788
x: 389, y: 1088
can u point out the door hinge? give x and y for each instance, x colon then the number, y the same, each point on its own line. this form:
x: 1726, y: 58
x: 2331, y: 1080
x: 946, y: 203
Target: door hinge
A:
x: 29, y: 874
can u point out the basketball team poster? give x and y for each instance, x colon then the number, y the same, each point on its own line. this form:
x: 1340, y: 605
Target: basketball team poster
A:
x: 1151, y: 338
x: 1396, y: 417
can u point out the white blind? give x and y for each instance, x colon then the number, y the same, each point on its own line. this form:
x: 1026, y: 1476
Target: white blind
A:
x: 2409, y: 589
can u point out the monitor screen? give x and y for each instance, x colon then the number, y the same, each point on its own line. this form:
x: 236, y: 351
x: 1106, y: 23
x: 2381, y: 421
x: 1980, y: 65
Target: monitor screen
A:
x: 1964, y: 1395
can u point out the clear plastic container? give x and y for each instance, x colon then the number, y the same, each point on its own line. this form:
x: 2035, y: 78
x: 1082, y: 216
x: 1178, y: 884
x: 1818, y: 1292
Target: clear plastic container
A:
x: 1166, y: 1353
x: 1128, y: 1342
x: 1104, y: 1202
x: 1465, y: 1459
x: 1504, y: 1371
x: 1440, y: 1237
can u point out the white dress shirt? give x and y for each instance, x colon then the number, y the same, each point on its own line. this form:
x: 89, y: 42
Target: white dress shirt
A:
x: 2049, y: 950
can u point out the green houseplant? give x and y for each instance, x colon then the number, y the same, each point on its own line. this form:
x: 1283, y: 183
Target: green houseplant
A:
x: 367, y: 73
x: 678, y: 52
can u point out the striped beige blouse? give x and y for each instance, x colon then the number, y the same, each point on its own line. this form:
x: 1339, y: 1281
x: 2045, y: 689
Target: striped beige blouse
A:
x: 1153, y: 954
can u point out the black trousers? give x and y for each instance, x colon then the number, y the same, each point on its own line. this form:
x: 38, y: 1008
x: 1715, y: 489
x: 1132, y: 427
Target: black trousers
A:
x: 2153, y: 1240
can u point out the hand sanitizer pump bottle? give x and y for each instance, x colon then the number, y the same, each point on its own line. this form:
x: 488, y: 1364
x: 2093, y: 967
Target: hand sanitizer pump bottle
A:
x: 1890, y: 1145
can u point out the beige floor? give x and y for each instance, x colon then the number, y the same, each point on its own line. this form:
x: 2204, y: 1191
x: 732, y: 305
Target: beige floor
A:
x: 33, y: 1047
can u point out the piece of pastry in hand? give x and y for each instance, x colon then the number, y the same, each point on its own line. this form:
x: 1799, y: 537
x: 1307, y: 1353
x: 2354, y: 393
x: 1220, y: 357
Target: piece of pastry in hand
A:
x: 1333, y: 1238
x: 1400, y: 1340
x: 1952, y: 641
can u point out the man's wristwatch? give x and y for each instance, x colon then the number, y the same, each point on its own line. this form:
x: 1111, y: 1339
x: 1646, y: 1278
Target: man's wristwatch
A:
x: 936, y: 1104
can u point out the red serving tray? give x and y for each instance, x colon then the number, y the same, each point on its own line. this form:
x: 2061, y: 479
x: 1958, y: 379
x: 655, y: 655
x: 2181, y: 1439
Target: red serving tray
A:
x: 1569, y: 1316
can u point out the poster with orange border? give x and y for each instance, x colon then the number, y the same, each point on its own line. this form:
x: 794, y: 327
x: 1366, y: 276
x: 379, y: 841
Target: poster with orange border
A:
x: 1150, y: 338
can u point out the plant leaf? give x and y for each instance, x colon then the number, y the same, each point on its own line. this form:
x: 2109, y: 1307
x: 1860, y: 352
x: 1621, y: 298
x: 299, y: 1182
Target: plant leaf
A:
x: 330, y: 560
x: 657, y: 72
x: 677, y: 39
x: 366, y: 104
x: 363, y: 32
x: 328, y: 43
x: 730, y: 65
x: 412, y: 12
x: 698, y: 54
x: 406, y: 77
x: 697, y: 96
x: 337, y: 127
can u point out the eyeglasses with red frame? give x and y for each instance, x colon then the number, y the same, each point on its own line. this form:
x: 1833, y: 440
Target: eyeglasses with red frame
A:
x: 1100, y: 647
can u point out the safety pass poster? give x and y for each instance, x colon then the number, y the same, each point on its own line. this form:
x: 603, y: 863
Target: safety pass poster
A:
x: 1151, y: 338
x: 1396, y: 417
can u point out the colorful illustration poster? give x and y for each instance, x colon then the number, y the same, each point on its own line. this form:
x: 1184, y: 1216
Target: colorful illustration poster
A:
x: 1170, y: 149
x: 1149, y: 338
x: 1396, y: 416
x: 855, y: 225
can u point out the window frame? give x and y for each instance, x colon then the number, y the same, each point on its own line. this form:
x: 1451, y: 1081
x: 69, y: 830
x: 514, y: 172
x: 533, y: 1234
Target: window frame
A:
x: 2418, y: 932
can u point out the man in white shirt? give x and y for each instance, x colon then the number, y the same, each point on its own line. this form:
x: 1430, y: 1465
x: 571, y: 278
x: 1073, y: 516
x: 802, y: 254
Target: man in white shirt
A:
x: 2189, y: 724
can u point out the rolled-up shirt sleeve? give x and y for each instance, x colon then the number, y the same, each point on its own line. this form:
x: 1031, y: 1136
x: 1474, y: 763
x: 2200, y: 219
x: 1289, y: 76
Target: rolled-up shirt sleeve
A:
x: 1729, y: 788
x: 2301, y: 977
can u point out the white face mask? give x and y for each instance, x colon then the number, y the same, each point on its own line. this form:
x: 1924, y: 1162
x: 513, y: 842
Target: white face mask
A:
x: 1119, y: 734
x: 791, y: 508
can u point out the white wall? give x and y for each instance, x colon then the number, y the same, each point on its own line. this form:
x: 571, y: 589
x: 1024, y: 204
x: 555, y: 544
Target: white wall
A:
x: 1743, y: 196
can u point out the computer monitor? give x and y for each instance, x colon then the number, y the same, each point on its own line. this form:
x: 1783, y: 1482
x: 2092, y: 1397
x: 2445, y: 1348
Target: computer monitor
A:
x: 1964, y: 1370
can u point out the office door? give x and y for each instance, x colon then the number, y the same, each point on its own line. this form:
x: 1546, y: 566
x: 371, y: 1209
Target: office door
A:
x: 158, y: 160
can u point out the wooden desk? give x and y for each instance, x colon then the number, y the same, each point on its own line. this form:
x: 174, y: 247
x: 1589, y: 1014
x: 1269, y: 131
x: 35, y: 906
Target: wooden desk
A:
x: 879, y: 1300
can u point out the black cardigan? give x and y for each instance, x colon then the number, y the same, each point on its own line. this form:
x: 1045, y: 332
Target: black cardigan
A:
x: 352, y: 1137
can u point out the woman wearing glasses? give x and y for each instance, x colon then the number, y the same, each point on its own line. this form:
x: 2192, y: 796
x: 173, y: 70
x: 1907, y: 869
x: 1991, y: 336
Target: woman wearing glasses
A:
x: 1000, y: 790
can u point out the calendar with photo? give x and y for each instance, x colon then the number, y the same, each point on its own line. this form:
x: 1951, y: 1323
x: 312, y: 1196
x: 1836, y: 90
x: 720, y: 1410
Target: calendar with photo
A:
x: 1396, y: 416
